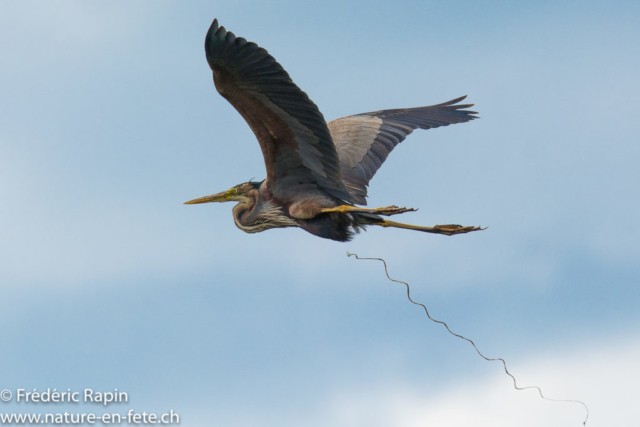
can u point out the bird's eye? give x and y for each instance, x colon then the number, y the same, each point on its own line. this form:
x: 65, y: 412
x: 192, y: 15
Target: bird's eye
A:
x: 234, y: 190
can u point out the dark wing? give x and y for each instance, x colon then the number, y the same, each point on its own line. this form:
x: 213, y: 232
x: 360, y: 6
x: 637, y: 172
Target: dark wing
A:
x: 364, y: 141
x: 295, y: 141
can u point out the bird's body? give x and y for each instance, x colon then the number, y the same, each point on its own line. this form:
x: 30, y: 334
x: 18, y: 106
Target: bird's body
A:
x: 316, y: 172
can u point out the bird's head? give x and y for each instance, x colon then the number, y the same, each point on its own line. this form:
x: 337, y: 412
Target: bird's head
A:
x: 243, y: 193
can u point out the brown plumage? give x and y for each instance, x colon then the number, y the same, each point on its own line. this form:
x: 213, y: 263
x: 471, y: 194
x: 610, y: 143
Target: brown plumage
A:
x: 316, y: 172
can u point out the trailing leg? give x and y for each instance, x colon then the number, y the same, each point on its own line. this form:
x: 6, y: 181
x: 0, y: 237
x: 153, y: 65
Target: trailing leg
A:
x: 387, y: 211
x: 447, y: 229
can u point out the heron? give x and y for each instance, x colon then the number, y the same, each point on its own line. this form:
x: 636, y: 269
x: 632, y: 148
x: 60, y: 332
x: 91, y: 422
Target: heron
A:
x: 316, y: 172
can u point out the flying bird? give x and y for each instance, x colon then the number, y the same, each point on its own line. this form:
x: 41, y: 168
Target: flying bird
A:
x: 317, y: 172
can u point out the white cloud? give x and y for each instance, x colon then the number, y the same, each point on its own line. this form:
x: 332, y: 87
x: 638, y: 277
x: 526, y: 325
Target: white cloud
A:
x: 605, y: 380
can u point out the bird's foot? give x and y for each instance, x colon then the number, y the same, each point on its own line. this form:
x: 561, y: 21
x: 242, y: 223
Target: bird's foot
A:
x: 386, y: 211
x: 451, y: 229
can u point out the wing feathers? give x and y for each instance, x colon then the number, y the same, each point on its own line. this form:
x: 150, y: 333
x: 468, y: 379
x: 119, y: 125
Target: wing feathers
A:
x: 285, y: 121
x: 296, y: 142
x: 364, y: 141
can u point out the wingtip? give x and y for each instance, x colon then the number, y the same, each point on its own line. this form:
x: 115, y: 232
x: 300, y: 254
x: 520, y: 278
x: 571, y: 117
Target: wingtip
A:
x: 213, y: 33
x: 462, y: 107
x: 212, y: 30
x: 453, y: 102
x: 459, y: 99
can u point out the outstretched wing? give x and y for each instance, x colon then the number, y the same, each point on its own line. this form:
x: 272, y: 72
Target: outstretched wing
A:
x: 364, y: 141
x: 295, y: 141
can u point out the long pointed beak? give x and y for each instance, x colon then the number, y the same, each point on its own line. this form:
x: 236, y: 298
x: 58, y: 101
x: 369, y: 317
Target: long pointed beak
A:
x: 219, y: 197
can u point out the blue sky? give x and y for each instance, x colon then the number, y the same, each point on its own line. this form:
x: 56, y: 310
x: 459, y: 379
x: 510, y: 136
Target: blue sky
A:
x: 110, y: 121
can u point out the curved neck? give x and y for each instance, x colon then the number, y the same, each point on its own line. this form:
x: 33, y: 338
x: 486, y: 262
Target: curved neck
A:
x: 243, y: 211
x: 254, y: 215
